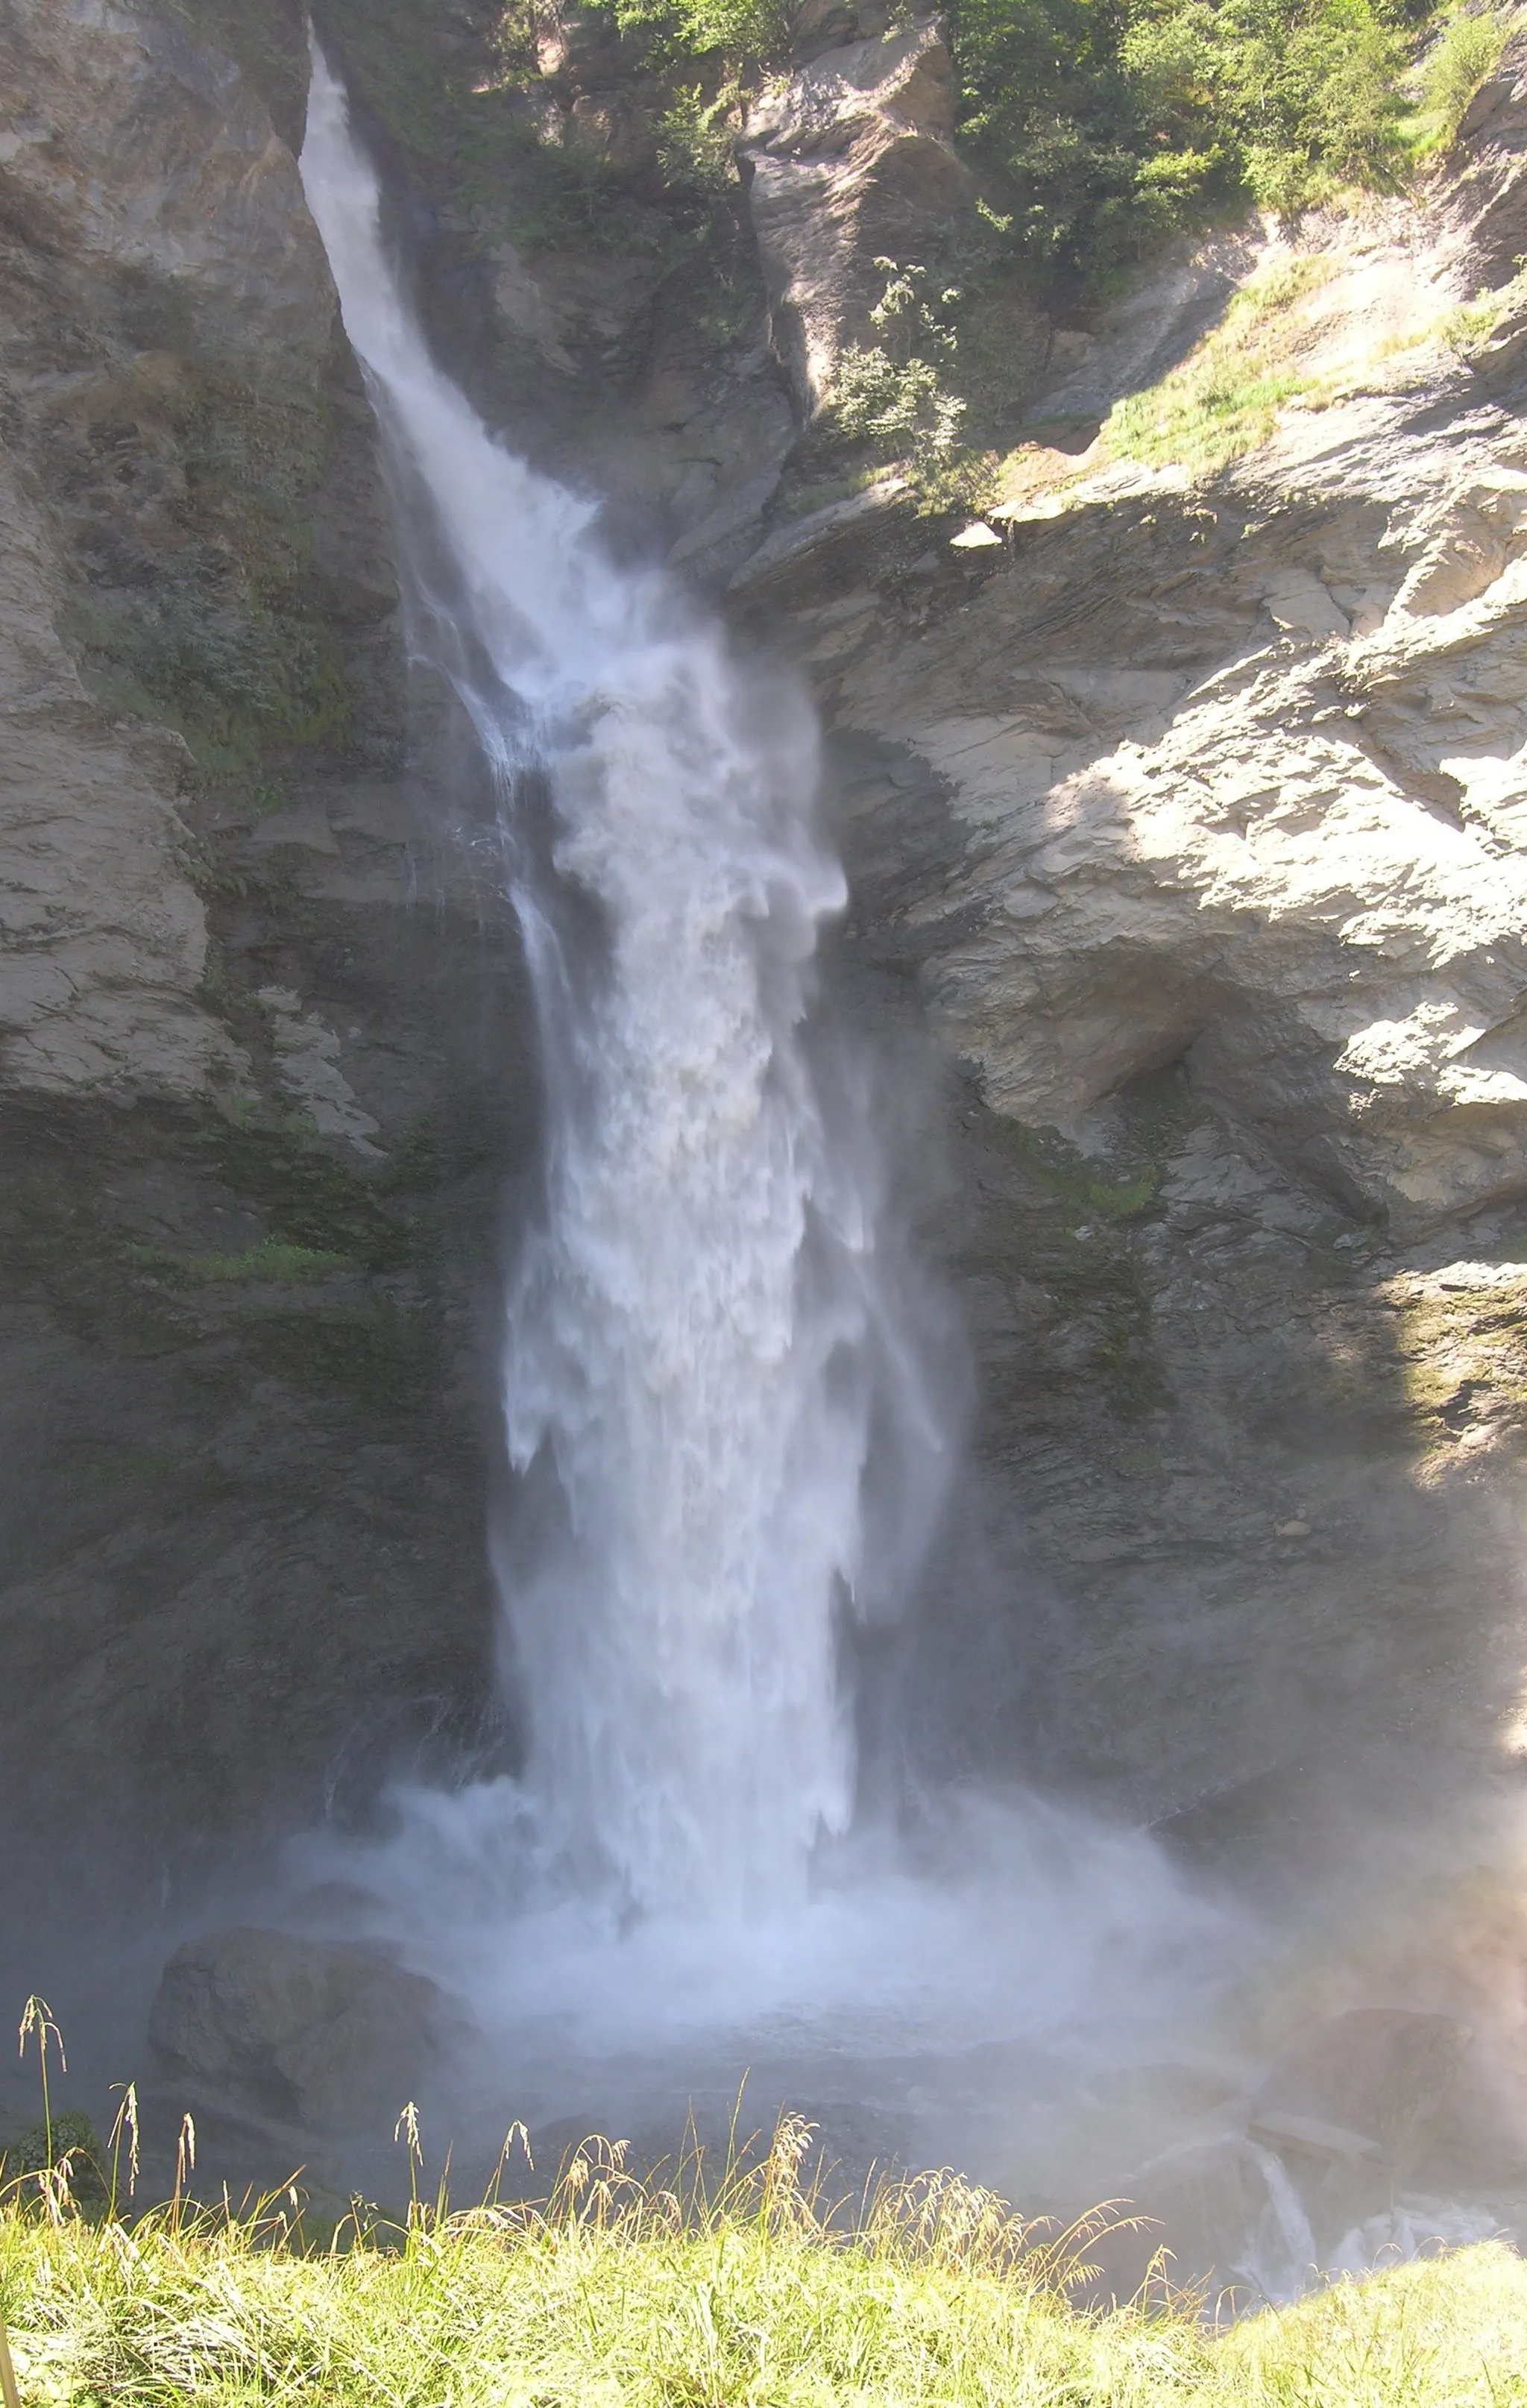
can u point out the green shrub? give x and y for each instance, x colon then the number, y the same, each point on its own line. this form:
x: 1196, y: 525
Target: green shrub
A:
x: 695, y: 140
x: 315, y: 1203
x: 1110, y: 126
x: 42, y: 2144
x: 69, y: 2136
x: 1295, y: 98
x: 897, y: 396
x: 232, y: 672
x: 223, y: 639
x: 738, y: 30
x: 1467, y: 49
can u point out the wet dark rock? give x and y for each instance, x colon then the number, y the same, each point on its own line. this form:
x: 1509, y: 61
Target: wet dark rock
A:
x: 320, y: 2037
x: 1361, y: 2084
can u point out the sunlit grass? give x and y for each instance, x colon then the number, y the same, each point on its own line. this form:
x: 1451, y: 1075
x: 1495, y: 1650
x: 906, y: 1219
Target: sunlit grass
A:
x: 616, y: 2293
x: 1444, y: 2332
x: 1224, y: 399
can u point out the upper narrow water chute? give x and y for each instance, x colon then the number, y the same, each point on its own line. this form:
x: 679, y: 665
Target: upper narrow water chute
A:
x: 697, y: 1347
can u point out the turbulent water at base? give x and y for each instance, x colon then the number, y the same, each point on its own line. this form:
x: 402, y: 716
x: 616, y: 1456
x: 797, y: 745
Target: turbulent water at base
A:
x: 698, y: 1344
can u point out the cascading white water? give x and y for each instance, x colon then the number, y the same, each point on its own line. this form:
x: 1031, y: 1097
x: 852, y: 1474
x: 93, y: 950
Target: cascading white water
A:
x: 713, y: 1388
x: 697, y: 1345
x: 713, y: 1395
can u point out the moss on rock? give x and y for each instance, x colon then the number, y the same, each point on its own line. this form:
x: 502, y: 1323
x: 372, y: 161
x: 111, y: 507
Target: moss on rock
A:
x: 1463, y: 1351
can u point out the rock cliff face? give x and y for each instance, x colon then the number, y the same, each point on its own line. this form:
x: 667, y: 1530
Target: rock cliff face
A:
x: 1199, y: 844
x: 850, y: 161
x: 1188, y: 818
x: 242, y: 1079
x: 135, y: 168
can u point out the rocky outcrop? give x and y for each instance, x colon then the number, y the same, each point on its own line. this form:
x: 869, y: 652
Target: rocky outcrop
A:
x: 106, y: 938
x: 1310, y: 2172
x: 1189, y: 809
x: 291, y: 2037
x: 1365, y: 2084
x: 140, y: 179
x: 134, y: 149
x: 1198, y: 818
x: 850, y: 162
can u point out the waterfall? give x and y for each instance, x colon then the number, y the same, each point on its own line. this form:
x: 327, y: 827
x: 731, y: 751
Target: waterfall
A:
x: 703, y: 1366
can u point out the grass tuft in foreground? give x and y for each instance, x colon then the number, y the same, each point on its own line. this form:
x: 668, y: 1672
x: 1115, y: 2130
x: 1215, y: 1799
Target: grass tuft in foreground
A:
x: 616, y: 2293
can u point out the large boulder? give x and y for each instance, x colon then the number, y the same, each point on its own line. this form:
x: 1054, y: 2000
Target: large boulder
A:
x: 306, y: 2034
x: 1366, y: 2082
x: 1335, y: 2124
x: 1345, y: 2112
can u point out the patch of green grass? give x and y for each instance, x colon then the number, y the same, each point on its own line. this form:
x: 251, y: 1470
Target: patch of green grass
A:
x: 230, y: 672
x: 130, y: 1468
x: 1447, y: 2333
x: 417, y: 1162
x: 1469, y: 326
x: 1471, y: 323
x: 1072, y: 1178
x: 223, y: 641
x: 268, y: 1258
x: 616, y: 2294
x: 382, y: 1357
x: 1225, y: 397
x: 1462, y: 1357
x: 319, y: 1205
x: 1073, y: 1243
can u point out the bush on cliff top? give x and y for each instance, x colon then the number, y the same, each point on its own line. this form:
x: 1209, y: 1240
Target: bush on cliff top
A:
x: 1110, y: 122
x: 1106, y: 125
x: 1467, y: 49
